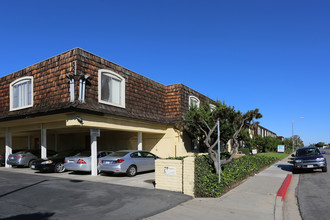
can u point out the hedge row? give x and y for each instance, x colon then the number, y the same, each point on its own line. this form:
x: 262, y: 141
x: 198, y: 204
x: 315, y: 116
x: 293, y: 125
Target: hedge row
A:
x: 207, y: 182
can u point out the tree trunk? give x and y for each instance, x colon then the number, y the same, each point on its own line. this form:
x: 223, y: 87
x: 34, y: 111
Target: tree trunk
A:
x: 214, y: 157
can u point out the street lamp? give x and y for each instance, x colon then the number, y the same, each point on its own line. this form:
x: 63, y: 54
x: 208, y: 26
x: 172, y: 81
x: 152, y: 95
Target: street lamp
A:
x: 293, y: 134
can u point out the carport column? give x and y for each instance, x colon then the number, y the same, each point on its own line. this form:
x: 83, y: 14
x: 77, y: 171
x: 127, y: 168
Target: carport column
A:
x: 43, y: 142
x: 139, y: 140
x: 94, y: 132
x: 8, y: 146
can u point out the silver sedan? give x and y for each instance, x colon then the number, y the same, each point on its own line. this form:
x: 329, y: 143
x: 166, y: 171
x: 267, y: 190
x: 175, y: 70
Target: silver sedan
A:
x: 127, y: 161
x: 82, y: 161
x: 26, y: 157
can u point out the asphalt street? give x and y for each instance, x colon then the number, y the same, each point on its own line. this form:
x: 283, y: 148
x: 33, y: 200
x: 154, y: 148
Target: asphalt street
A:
x: 24, y: 196
x: 313, y: 193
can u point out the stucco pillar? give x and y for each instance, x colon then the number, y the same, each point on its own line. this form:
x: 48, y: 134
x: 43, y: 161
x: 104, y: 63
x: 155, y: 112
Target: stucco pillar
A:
x: 139, y: 140
x: 43, y: 143
x: 94, y: 133
x: 8, y: 146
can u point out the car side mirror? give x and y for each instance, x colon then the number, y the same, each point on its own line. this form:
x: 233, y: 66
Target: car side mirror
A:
x: 292, y: 155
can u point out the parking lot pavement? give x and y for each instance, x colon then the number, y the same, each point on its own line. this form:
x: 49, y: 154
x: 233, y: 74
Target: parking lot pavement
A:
x: 26, y: 196
x: 143, y: 180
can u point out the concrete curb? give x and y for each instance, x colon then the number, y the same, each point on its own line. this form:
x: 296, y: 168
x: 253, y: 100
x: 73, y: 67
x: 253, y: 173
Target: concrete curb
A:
x: 278, y: 212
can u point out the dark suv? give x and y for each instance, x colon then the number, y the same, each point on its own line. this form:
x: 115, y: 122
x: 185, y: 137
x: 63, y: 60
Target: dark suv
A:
x: 309, y: 158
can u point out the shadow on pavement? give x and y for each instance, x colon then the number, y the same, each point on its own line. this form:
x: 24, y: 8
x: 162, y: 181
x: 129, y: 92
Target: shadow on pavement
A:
x: 123, y: 174
x: 79, y: 173
x: 25, y: 187
x: 34, y: 216
x: 285, y: 167
x: 152, y: 181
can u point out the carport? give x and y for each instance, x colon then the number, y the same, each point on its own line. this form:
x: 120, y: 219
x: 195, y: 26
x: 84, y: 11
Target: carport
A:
x: 28, y: 132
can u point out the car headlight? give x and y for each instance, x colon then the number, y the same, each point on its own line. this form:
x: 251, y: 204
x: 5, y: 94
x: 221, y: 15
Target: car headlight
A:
x: 320, y: 159
x: 298, y: 161
x: 47, y: 162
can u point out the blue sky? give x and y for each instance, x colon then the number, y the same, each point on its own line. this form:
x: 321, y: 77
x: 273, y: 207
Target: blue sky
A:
x: 271, y: 55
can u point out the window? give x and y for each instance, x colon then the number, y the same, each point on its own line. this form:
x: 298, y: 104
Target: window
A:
x: 111, y: 88
x: 148, y: 155
x: 212, y: 107
x: 193, y: 101
x: 136, y: 155
x: 21, y: 93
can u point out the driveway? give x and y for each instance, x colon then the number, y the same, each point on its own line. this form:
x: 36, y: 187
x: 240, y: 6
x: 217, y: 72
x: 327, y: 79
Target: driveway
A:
x: 143, y: 180
x: 26, y: 196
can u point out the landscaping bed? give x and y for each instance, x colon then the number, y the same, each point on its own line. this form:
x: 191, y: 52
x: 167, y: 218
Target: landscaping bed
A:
x: 207, y: 182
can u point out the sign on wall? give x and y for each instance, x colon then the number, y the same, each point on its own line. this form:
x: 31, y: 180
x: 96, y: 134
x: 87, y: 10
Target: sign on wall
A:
x: 170, y: 171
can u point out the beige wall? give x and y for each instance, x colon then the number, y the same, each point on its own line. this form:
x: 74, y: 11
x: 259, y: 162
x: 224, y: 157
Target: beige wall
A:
x: 19, y: 143
x: 71, y: 141
x: 159, y: 144
x: 168, y: 175
x: 176, y: 175
x: 117, y: 140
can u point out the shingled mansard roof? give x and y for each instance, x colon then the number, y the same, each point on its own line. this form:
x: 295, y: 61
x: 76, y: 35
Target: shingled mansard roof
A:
x: 146, y: 100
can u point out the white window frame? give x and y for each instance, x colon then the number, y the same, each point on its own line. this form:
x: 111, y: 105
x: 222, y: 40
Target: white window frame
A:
x: 122, y: 87
x: 11, y: 91
x: 212, y: 107
x: 196, y: 99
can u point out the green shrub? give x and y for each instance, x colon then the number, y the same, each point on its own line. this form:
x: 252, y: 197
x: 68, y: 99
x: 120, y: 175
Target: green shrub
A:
x: 245, y: 150
x: 225, y: 155
x: 206, y: 180
x: 176, y: 158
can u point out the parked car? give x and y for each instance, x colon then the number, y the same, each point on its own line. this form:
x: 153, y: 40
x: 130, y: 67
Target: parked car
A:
x: 54, y: 163
x: 309, y: 158
x: 82, y: 161
x: 26, y: 157
x: 2, y: 159
x: 127, y: 161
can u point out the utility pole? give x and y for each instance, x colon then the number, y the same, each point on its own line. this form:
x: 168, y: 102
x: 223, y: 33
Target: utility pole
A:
x: 219, y: 159
x: 292, y: 137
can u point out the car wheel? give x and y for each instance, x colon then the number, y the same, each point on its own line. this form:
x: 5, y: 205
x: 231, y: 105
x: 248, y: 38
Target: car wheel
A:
x: 295, y: 171
x: 131, y: 171
x: 30, y: 163
x: 59, y: 168
x: 324, y: 169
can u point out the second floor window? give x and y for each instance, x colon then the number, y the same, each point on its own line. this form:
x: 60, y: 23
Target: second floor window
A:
x: 111, y: 88
x: 21, y: 93
x: 193, y: 101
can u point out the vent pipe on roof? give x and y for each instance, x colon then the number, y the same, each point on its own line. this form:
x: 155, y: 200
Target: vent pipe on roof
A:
x: 71, y: 78
x: 82, y: 87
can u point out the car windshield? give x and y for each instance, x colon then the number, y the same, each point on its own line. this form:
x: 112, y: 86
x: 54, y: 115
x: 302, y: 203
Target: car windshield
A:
x: 308, y: 152
x: 35, y: 152
x: 21, y: 152
x: 118, y: 154
x: 84, y: 154
x: 66, y: 153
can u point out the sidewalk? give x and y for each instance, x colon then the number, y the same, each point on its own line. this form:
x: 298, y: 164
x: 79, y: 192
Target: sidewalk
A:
x: 253, y: 199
